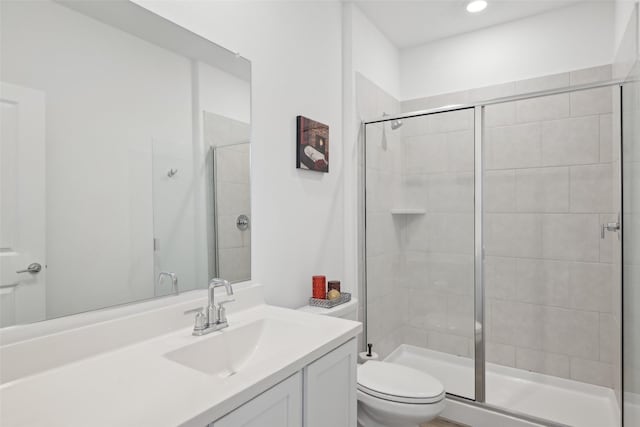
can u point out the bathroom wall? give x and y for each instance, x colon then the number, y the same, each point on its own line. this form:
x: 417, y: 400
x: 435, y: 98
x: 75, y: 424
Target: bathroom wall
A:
x: 562, y: 40
x: 296, y: 56
x: 370, y: 89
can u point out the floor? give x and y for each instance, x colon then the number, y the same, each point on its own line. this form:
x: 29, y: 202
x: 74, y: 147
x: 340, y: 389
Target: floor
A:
x: 441, y: 423
x: 556, y: 399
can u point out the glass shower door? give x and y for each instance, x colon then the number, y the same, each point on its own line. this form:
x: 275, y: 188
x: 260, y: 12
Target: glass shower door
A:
x: 549, y: 184
x: 631, y: 252
x: 420, y: 244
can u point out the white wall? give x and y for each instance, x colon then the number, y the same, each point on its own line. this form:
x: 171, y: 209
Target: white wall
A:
x: 365, y: 50
x: 373, y: 55
x: 295, y: 50
x: 567, y: 39
x: 224, y: 94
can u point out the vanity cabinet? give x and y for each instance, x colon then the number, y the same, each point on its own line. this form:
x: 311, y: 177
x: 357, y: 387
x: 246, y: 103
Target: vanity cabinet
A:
x: 323, y: 394
x: 330, y: 383
x: 280, y: 406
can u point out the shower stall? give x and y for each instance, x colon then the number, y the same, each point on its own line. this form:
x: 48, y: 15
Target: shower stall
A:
x: 493, y: 251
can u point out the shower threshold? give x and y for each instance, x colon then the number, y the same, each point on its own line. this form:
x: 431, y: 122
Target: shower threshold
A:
x: 541, y: 396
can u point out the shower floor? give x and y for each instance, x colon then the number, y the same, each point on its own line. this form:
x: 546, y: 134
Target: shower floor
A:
x: 556, y: 399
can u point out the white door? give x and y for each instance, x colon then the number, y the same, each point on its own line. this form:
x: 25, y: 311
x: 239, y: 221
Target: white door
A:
x: 22, y: 205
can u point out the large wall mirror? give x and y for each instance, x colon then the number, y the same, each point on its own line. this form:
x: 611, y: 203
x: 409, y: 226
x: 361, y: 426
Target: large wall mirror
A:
x: 124, y: 154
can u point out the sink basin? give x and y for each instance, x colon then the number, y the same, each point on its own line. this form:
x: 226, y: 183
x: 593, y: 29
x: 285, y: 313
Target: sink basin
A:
x: 229, y: 351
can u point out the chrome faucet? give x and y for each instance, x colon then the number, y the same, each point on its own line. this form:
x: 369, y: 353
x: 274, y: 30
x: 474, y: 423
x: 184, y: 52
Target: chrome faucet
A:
x: 174, y: 280
x: 213, y: 318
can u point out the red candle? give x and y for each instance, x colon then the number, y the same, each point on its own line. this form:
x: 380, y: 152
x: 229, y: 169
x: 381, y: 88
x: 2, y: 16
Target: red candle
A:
x: 320, y: 287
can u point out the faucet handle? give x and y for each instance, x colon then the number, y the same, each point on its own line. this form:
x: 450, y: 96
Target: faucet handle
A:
x: 222, y: 312
x: 200, y: 321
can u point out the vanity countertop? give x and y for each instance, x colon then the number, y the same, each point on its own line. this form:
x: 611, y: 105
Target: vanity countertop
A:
x: 138, y: 386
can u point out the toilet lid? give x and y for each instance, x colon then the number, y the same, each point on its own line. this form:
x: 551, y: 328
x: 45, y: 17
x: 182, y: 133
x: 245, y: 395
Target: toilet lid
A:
x: 398, y: 383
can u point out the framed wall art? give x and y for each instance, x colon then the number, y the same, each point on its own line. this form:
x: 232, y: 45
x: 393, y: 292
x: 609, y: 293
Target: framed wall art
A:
x: 312, y: 145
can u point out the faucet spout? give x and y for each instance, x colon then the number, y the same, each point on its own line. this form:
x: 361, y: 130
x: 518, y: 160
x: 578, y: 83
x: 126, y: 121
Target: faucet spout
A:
x: 215, y: 316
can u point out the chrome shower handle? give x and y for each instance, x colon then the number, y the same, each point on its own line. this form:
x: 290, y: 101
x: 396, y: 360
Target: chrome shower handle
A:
x: 609, y: 226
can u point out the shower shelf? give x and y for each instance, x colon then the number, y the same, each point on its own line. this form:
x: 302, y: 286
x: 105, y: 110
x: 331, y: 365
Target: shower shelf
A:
x: 407, y: 211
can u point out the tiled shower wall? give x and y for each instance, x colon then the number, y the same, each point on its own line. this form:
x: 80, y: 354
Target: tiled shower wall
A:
x: 550, y: 281
x: 548, y: 274
x: 386, y: 301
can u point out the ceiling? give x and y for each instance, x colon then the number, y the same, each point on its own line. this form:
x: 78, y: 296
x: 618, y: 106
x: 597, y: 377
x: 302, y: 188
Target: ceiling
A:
x: 410, y: 23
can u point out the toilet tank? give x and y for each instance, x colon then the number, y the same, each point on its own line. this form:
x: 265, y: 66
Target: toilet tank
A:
x: 348, y: 310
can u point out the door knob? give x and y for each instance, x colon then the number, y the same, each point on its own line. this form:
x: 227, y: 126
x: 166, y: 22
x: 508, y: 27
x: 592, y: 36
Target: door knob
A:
x: 32, y: 268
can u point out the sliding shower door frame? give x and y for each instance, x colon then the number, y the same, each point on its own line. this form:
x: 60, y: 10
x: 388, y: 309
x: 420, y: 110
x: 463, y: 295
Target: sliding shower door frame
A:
x: 479, y: 399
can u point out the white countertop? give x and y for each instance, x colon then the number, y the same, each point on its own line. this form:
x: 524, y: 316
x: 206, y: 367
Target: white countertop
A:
x: 137, y: 386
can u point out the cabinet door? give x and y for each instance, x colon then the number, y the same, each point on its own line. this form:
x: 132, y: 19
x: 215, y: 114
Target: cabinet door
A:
x: 330, y: 398
x: 280, y: 406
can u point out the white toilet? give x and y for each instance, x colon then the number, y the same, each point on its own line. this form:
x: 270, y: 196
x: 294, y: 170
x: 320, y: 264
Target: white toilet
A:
x: 389, y: 394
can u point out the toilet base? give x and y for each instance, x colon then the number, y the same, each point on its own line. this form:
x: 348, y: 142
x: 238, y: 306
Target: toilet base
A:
x: 374, y: 412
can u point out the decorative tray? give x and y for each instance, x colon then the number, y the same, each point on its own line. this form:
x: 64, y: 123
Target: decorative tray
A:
x: 330, y: 303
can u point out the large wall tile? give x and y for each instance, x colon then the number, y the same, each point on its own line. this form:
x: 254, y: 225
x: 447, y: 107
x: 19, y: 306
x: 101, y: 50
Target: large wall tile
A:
x: 451, y: 273
x: 381, y: 191
x: 492, y: 92
x: 426, y: 154
x: 572, y: 141
x: 500, y: 277
x: 451, y: 233
x: 592, y: 372
x: 513, y: 146
x: 460, y: 315
x: 606, y: 138
x: 543, y: 108
x: 461, y: 151
x: 501, y: 354
x: 543, y: 362
x: 570, y: 332
x: 415, y: 190
x: 539, y: 84
x: 382, y: 234
x: 415, y: 126
x: 591, y: 188
x: 451, y: 192
x: 451, y: 121
x: 592, y: 101
x: 517, y: 235
x: 602, y: 73
x: 542, y: 190
x: 427, y: 310
x: 571, y: 237
x: 414, y: 336
x: 516, y: 324
x: 591, y: 286
x: 607, y: 340
x: 503, y: 114
x: 499, y: 191
x: 448, y: 343
x: 542, y: 282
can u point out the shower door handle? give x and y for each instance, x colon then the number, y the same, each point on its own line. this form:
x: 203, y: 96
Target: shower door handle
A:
x: 609, y: 226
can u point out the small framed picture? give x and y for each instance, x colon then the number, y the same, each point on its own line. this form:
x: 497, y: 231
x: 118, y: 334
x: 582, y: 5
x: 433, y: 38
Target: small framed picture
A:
x: 312, y: 145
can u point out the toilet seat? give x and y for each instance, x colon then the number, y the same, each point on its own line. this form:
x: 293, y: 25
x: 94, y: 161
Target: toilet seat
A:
x: 398, y: 383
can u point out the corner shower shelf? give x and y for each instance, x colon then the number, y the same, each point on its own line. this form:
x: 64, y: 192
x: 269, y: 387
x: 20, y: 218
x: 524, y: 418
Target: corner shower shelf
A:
x: 406, y: 211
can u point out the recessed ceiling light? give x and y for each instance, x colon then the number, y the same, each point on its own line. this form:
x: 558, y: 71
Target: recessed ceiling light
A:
x: 476, y: 6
